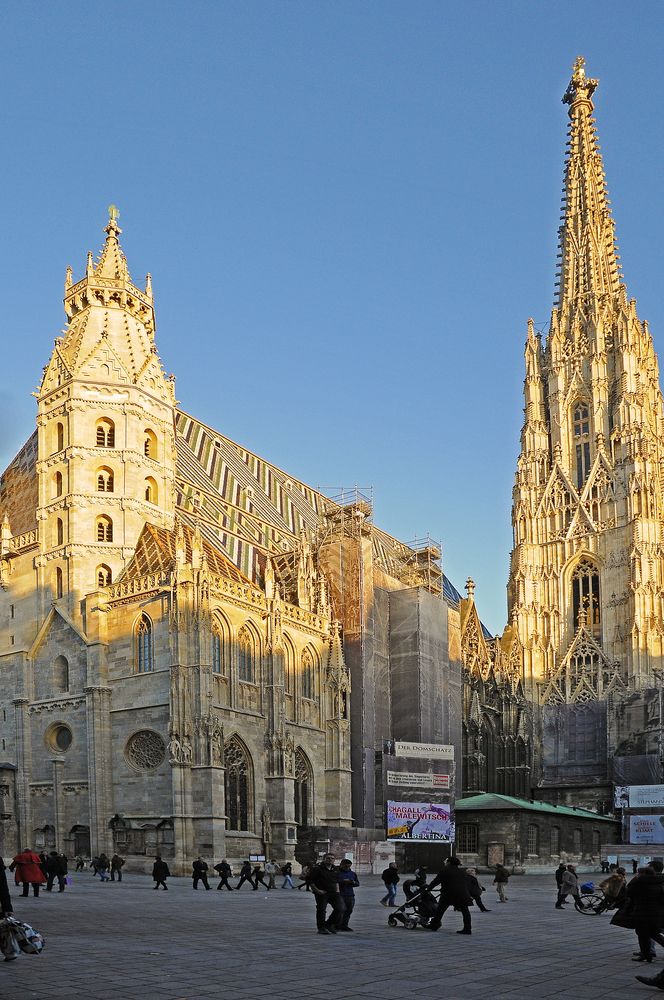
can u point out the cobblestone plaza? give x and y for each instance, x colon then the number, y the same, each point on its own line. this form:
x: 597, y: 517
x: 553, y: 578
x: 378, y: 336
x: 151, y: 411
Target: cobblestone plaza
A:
x: 126, y: 942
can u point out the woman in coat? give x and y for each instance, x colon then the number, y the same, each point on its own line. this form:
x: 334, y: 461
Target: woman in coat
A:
x: 645, y: 893
x: 27, y: 871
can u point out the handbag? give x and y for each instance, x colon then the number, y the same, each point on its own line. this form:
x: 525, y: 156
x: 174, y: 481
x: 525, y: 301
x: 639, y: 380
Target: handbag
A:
x: 9, y: 945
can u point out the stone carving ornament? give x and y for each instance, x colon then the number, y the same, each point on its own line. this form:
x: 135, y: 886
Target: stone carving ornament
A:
x: 145, y: 750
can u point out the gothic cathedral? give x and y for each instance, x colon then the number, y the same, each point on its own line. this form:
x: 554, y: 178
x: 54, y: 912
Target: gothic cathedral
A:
x: 586, y: 585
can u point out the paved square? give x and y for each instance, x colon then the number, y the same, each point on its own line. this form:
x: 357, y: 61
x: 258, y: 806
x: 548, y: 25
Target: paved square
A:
x: 127, y: 942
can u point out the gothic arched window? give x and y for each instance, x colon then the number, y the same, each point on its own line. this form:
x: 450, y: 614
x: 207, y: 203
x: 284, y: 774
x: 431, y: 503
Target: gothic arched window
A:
x: 57, y: 484
x: 586, y: 597
x: 144, y: 647
x: 104, y: 528
x: 308, y: 675
x: 105, y: 436
x: 59, y: 437
x: 303, y: 788
x: 104, y: 575
x: 149, y: 444
x: 61, y: 673
x: 239, y: 805
x: 247, y: 648
x: 150, y: 490
x: 59, y: 583
x: 104, y: 480
x: 59, y: 532
x: 220, y: 645
x: 581, y: 435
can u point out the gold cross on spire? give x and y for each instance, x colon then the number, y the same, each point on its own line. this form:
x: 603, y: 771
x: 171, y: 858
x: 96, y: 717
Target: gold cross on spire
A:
x: 113, y: 213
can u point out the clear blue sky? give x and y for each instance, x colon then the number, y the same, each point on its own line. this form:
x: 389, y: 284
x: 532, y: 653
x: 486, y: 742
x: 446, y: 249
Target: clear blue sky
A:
x: 349, y: 210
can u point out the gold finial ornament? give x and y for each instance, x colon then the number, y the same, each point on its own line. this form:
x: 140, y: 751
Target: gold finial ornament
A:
x: 113, y: 213
x: 580, y: 87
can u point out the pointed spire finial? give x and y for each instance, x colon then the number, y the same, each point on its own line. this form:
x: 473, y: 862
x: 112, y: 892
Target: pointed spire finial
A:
x: 580, y: 87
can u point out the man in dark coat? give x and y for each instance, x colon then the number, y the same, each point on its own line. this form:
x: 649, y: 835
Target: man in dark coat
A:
x: 646, y: 895
x: 224, y: 870
x: 199, y: 872
x: 56, y: 867
x: 160, y: 872
x: 245, y: 876
x: 5, y: 899
x: 325, y: 886
x: 559, y: 872
x: 453, y: 892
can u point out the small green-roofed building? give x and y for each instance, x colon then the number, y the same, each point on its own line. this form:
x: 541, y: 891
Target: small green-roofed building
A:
x: 523, y: 833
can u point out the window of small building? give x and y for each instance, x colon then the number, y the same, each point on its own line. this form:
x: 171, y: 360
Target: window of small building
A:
x: 555, y: 840
x: 105, y: 433
x: 533, y: 838
x: 597, y: 842
x: 468, y: 838
x: 144, y: 656
x: 578, y: 841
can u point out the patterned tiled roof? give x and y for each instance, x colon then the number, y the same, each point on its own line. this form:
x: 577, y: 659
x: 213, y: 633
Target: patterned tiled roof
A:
x: 19, y: 492
x: 155, y: 553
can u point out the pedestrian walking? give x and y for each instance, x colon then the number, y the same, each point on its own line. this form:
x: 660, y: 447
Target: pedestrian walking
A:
x: 645, y: 895
x: 43, y: 862
x: 558, y: 874
x: 117, y: 864
x: 272, y: 870
x: 245, y: 875
x: 199, y: 873
x: 391, y: 879
x: 80, y: 863
x: 27, y: 871
x: 501, y: 878
x: 56, y: 867
x: 103, y: 868
x: 225, y: 872
x: 94, y: 864
x: 475, y: 889
x: 5, y: 898
x: 348, y: 882
x: 635, y: 865
x: 304, y: 875
x: 325, y: 887
x: 287, y: 872
x: 160, y: 872
x: 568, y: 887
x: 257, y: 876
x: 453, y: 892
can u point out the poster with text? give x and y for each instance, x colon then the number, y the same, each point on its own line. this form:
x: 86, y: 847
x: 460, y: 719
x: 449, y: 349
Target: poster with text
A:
x: 646, y: 829
x: 646, y: 796
x: 419, y: 821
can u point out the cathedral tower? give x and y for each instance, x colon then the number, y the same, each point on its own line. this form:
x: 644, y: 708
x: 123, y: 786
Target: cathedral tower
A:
x: 106, y: 453
x: 587, y: 568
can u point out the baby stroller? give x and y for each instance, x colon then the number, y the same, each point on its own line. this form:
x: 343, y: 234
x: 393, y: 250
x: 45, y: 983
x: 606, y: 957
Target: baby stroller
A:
x: 417, y: 911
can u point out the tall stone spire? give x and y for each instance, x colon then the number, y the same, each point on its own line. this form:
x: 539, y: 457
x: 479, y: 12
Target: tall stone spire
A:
x: 111, y: 328
x: 587, y: 249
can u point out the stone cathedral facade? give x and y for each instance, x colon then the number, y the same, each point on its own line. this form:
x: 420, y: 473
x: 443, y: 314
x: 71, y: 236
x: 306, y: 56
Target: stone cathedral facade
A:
x: 182, y: 622
x: 586, y: 585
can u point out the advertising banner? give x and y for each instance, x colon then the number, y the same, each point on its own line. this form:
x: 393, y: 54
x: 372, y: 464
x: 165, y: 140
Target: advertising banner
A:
x: 419, y: 821
x: 439, y: 751
x: 621, y: 797
x: 646, y: 796
x: 646, y: 829
x: 413, y: 779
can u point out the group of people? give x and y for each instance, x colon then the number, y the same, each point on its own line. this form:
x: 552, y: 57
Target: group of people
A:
x: 108, y: 869
x: 37, y: 870
x: 267, y: 876
x: 641, y: 908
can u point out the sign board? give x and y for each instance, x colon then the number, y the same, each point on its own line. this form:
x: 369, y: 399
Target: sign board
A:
x: 646, y: 796
x: 439, y: 751
x: 419, y: 821
x: 646, y: 829
x: 621, y: 797
x: 412, y: 779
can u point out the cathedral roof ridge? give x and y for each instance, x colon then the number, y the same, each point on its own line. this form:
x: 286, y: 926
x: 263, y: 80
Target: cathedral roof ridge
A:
x: 589, y: 261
